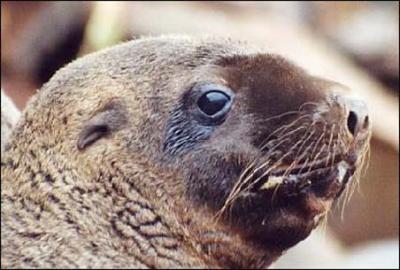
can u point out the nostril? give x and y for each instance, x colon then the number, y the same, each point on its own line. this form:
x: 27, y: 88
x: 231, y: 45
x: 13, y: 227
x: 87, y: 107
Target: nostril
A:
x: 352, y: 122
x: 357, y: 120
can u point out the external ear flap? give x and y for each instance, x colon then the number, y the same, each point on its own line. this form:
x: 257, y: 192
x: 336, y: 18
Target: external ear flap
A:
x: 109, y: 119
x: 93, y: 130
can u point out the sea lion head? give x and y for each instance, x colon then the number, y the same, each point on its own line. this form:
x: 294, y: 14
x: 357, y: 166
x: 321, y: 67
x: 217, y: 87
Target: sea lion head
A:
x: 215, y: 124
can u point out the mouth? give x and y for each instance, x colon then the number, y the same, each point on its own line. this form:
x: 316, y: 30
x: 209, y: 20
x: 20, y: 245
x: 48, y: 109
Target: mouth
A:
x: 324, y: 181
x: 306, y: 189
x: 288, y: 203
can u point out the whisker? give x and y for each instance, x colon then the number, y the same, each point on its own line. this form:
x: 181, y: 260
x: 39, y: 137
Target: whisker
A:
x: 316, y: 158
x: 262, y: 147
x: 330, y: 141
x: 279, y: 116
x: 304, y: 141
x: 276, y: 164
x: 315, y: 149
x: 297, y: 159
x: 236, y: 189
x: 335, y: 147
x: 343, y: 205
x: 308, y: 103
x: 284, y: 127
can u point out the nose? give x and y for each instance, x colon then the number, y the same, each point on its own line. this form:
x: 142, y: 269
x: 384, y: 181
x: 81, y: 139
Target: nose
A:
x: 357, y: 118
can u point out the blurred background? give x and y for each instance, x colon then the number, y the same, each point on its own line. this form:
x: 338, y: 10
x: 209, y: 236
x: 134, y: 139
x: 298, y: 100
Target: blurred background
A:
x: 354, y: 43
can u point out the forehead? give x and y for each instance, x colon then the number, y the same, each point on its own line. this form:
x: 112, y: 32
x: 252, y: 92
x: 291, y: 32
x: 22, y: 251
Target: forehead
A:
x: 204, y: 56
x: 177, y: 62
x: 184, y: 51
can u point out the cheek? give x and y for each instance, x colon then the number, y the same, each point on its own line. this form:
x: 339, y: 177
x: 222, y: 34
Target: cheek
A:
x: 209, y: 180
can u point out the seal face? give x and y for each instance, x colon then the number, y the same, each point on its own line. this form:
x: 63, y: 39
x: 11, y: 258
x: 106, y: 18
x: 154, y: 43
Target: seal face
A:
x: 131, y: 154
x: 285, y: 149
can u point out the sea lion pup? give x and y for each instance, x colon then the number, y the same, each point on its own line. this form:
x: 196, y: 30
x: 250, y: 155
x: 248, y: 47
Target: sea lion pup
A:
x: 175, y: 152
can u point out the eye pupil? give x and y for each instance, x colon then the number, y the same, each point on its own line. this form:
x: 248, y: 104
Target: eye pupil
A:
x: 213, y: 102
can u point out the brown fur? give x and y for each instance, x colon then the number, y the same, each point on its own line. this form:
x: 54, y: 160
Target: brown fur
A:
x: 118, y: 200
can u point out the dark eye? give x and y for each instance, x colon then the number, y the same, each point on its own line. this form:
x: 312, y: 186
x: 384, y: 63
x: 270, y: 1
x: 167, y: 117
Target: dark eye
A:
x: 213, y: 102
